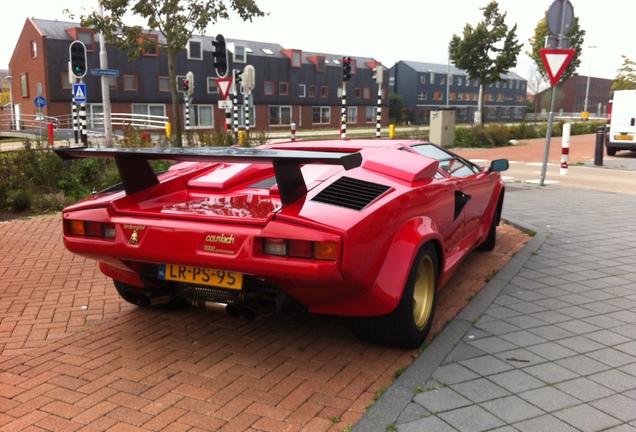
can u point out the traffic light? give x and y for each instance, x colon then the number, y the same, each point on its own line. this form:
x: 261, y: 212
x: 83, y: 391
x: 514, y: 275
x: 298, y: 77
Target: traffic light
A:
x: 188, y: 83
x: 77, y: 53
x: 378, y: 73
x: 346, y: 68
x: 220, y: 56
x: 238, y: 79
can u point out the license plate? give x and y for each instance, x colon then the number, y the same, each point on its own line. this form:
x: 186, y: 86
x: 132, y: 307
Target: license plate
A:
x: 201, y: 276
x: 624, y: 137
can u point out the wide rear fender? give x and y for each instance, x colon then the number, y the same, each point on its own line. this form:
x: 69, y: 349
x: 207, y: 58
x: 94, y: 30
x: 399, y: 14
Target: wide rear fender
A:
x: 385, y: 294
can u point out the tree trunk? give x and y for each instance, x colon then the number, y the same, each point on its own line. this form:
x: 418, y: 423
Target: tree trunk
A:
x: 176, y: 106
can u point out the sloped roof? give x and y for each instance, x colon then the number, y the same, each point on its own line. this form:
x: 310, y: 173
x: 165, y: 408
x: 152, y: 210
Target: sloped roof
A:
x: 54, y: 29
x: 444, y: 68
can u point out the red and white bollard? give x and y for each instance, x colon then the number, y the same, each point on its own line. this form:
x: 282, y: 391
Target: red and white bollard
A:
x: 565, y: 148
x: 293, y: 131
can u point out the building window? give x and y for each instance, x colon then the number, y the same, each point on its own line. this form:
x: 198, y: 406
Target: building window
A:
x: 194, y: 50
x: 296, y: 59
x: 366, y: 93
x: 432, y: 78
x: 34, y: 49
x: 422, y: 79
x: 213, y: 87
x: 164, y: 83
x: 320, y: 64
x: 87, y: 38
x: 371, y: 114
x: 279, y: 115
x: 240, y: 54
x: 312, y: 91
x: 283, y: 88
x: 437, y: 96
x: 149, y: 109
x: 321, y: 115
x: 421, y: 96
x: 442, y: 80
x: 242, y: 117
x: 268, y: 88
x: 357, y: 92
x: 130, y: 82
x: 459, y: 81
x: 152, y: 47
x: 24, y: 85
x: 450, y: 79
x: 302, y: 90
x: 352, y: 115
x: 453, y: 96
x: 112, y: 83
x: 500, y: 97
x: 324, y: 91
x: 201, y: 116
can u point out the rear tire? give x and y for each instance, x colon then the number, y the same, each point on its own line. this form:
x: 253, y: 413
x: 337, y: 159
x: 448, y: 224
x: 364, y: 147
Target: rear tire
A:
x: 408, y: 325
x: 611, y: 151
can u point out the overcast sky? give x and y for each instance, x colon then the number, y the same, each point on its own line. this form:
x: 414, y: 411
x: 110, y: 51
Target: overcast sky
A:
x: 417, y: 30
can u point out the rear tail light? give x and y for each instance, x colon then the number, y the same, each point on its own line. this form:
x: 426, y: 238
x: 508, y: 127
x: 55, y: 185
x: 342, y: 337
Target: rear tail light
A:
x: 90, y: 229
x: 304, y: 249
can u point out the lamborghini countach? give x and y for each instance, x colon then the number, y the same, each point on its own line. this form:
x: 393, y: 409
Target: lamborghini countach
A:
x: 370, y: 229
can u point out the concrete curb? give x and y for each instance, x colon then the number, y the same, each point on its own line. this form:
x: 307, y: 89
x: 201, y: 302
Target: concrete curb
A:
x: 395, y: 399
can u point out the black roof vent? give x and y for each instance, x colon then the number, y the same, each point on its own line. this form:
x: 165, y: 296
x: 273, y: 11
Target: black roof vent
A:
x: 351, y: 193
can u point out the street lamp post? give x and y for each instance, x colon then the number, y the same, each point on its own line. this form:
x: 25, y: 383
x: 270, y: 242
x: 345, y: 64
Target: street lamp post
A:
x: 10, y: 79
x: 587, y: 87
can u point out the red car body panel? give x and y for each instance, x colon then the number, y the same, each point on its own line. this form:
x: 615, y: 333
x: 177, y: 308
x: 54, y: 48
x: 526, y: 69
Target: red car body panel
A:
x: 215, y: 209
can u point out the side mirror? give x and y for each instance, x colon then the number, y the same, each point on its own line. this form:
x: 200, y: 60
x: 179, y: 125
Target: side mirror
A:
x: 499, y: 165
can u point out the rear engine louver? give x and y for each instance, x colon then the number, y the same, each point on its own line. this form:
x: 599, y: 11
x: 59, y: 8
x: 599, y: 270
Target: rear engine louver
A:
x: 351, y: 193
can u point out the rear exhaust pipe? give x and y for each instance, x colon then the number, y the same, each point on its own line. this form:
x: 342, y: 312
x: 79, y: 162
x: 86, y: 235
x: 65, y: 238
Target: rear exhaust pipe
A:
x: 147, y: 300
x: 251, y: 311
x: 233, y: 310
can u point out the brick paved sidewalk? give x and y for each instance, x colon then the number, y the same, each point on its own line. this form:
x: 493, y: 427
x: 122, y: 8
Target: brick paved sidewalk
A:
x: 73, y: 356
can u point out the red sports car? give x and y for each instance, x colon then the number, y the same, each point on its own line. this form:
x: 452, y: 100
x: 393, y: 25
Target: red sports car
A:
x: 368, y: 228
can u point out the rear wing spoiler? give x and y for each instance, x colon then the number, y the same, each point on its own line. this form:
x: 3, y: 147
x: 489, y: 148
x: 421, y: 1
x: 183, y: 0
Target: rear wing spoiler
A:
x: 137, y: 174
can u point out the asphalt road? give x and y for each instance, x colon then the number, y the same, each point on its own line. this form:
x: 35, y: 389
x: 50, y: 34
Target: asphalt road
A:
x: 616, y: 174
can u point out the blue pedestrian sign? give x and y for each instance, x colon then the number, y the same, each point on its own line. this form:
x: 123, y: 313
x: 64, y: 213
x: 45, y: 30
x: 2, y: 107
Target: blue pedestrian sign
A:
x: 40, y: 102
x: 79, y: 92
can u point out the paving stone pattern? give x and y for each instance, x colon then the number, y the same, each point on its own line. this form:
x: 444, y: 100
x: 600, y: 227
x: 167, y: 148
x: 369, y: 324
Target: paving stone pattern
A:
x: 549, y: 344
x: 75, y: 357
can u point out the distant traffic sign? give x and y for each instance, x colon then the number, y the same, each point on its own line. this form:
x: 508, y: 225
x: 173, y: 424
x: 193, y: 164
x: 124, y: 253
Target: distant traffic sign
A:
x: 40, y: 102
x: 555, y: 62
x: 224, y: 86
x: 79, y: 92
x: 105, y: 72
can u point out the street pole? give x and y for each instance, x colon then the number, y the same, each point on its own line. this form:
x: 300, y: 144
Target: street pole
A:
x: 589, y: 74
x: 10, y: 79
x: 103, y: 63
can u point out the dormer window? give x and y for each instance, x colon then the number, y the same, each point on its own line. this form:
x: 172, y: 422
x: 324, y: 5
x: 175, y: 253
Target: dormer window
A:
x: 87, y: 38
x: 296, y: 59
x: 195, y: 51
x: 152, y: 51
x: 240, y: 54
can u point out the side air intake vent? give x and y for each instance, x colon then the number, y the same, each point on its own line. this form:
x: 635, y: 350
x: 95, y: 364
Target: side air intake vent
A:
x: 351, y: 193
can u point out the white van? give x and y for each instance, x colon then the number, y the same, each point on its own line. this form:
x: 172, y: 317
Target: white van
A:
x: 620, y: 133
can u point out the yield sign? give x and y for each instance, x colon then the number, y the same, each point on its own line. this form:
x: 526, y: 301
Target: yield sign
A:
x: 555, y: 61
x: 224, y: 86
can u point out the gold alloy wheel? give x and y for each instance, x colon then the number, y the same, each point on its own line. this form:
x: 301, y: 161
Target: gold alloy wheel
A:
x: 423, y: 292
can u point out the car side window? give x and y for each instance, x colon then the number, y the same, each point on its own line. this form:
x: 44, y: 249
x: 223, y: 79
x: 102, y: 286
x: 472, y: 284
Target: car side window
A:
x: 448, y: 162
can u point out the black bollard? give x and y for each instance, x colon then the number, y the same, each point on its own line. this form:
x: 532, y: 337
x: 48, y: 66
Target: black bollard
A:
x: 598, y: 150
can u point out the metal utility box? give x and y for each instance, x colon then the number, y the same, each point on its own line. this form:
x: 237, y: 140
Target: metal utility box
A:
x: 442, y: 130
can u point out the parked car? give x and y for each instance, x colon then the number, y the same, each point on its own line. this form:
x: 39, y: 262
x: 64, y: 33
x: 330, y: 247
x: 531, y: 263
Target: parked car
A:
x: 365, y: 228
x: 621, y: 122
